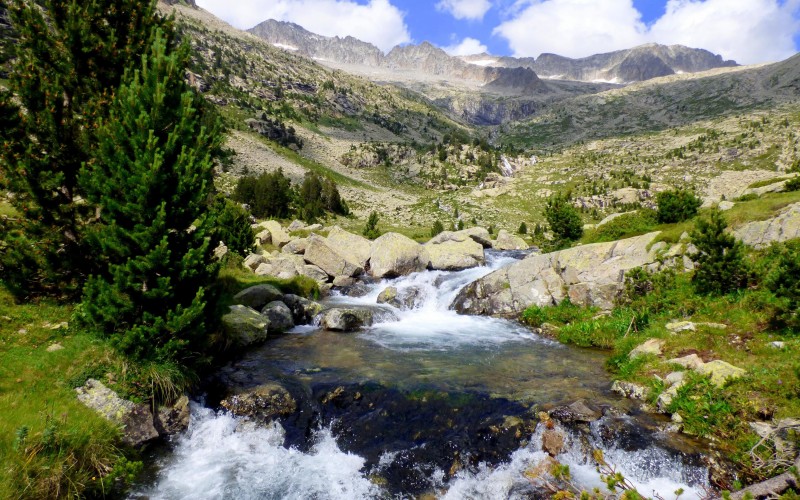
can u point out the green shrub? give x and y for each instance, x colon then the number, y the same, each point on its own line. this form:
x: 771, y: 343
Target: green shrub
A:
x: 677, y: 206
x: 783, y: 279
x: 523, y: 228
x: 563, y: 218
x: 627, y: 225
x: 371, y: 230
x: 436, y: 228
x: 705, y: 409
x: 792, y: 184
x: 230, y: 224
x: 720, y: 263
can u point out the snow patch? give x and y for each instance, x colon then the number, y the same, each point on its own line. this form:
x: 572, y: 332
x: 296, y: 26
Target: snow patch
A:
x: 290, y: 48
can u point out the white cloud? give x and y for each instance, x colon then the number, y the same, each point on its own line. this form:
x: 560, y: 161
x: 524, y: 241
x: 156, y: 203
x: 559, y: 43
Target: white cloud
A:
x: 378, y: 22
x: 467, y: 47
x: 748, y: 31
x: 465, y: 9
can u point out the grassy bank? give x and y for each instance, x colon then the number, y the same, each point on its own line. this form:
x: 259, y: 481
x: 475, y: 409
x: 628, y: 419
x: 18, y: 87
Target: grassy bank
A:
x: 51, y: 445
x: 770, y: 390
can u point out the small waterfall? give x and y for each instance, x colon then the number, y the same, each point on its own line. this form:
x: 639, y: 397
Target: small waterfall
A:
x: 506, y: 168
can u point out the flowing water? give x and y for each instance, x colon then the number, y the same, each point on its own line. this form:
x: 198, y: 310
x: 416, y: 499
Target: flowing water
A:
x: 423, y: 402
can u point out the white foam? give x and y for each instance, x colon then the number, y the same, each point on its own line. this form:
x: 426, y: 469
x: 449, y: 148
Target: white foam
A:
x: 214, y: 460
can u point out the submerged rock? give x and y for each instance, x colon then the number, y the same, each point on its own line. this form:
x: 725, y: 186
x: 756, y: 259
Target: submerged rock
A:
x: 345, y: 320
x: 263, y: 403
x: 578, y: 411
x: 135, y: 419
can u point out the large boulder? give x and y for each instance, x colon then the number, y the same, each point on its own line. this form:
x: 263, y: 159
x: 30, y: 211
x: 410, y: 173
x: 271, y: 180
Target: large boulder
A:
x: 345, y: 320
x: 407, y: 298
x: 244, y: 326
x: 279, y: 236
x: 286, y: 266
x: 351, y: 246
x: 303, y: 310
x: 322, y: 255
x: 454, y: 251
x: 479, y: 235
x: 315, y: 273
x: 590, y: 275
x: 135, y: 419
x: 254, y: 260
x: 279, y: 315
x: 395, y: 255
x: 508, y: 241
x: 783, y: 227
x: 257, y: 296
x: 297, y: 247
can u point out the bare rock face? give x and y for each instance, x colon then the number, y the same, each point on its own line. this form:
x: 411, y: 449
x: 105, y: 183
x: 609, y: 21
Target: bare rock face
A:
x: 783, y: 227
x: 136, y: 420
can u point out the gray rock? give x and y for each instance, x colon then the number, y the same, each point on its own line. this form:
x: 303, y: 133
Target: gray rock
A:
x: 220, y: 251
x: 315, y: 273
x: 135, y: 419
x: 783, y: 227
x: 343, y: 281
x: 508, y: 241
x: 720, y: 371
x: 408, y: 298
x: 578, y: 411
x: 265, y: 270
x: 681, y: 326
x: 55, y: 347
x: 590, y: 275
x: 651, y: 347
x: 395, y: 255
x: 257, y: 296
x: 479, y: 235
x: 279, y: 315
x: 263, y: 237
x: 253, y: 260
x: 244, y: 326
x: 726, y: 205
x: 263, y: 403
x: 303, y: 310
x: 296, y: 225
x: 173, y: 419
x: 279, y: 236
x: 628, y: 389
x: 351, y: 246
x: 692, y: 361
x: 345, y: 320
x: 297, y: 247
x: 454, y: 252
x: 322, y: 255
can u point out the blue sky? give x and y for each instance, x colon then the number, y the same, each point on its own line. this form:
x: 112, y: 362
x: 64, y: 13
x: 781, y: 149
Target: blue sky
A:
x: 749, y: 31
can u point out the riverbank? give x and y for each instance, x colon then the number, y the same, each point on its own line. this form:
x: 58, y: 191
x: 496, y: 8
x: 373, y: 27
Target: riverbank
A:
x: 51, y: 444
x: 665, y: 338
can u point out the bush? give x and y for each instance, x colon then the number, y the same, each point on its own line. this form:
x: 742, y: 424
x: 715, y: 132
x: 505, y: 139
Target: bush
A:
x: 230, y: 224
x: 563, y: 218
x: 436, y: 228
x: 371, y: 230
x: 720, y: 264
x: 523, y: 228
x: 782, y: 280
x: 627, y: 225
x: 677, y: 206
x: 792, y: 184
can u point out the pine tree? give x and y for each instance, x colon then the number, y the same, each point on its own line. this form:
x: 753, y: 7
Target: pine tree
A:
x: 230, y: 224
x: 152, y: 179
x: 371, y: 230
x: 563, y: 218
x: 437, y: 228
x: 720, y: 265
x: 70, y: 56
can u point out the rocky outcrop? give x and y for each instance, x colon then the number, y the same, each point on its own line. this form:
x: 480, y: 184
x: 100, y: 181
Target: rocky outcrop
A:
x: 345, y: 320
x: 395, y: 255
x: 451, y: 251
x: 136, y: 420
x: 783, y: 227
x: 590, y: 275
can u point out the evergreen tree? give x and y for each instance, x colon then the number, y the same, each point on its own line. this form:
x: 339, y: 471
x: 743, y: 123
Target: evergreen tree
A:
x: 230, y: 224
x: 69, y: 57
x: 371, y: 230
x: 437, y: 228
x: 782, y: 280
x: 152, y: 179
x: 310, y: 205
x: 720, y: 265
x: 677, y: 206
x: 523, y: 228
x: 563, y: 218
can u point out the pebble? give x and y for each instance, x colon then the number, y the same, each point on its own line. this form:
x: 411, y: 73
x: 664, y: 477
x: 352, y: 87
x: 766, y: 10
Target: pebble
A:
x: 55, y: 347
x: 778, y: 344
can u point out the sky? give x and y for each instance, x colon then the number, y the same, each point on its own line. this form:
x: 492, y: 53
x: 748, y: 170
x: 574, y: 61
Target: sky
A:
x: 747, y: 31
